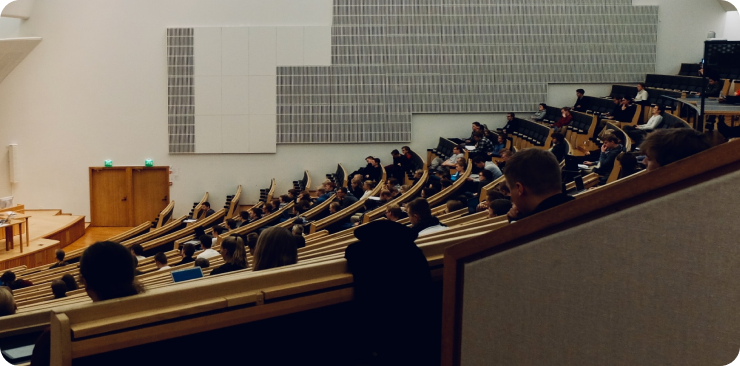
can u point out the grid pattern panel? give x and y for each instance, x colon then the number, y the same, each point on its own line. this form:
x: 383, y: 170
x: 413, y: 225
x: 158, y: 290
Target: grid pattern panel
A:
x: 180, y: 90
x: 392, y: 58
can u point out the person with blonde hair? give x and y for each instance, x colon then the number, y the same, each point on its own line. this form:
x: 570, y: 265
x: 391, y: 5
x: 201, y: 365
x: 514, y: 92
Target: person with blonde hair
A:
x: 7, y: 302
x: 276, y: 247
x: 234, y: 254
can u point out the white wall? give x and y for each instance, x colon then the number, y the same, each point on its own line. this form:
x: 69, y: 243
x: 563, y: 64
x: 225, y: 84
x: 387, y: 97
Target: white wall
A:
x: 683, y: 28
x: 732, y: 26
x: 9, y: 27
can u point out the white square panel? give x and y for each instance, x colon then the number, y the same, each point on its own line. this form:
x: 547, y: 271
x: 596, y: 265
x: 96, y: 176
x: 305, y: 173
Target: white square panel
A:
x: 207, y: 51
x: 289, y: 46
x: 234, y: 95
x: 207, y: 95
x: 262, y: 133
x: 262, y: 94
x: 208, y: 135
x: 317, y: 46
x: 262, y: 50
x: 235, y: 54
x: 235, y: 134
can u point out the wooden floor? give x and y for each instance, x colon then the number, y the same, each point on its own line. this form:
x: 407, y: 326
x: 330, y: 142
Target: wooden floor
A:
x: 95, y: 234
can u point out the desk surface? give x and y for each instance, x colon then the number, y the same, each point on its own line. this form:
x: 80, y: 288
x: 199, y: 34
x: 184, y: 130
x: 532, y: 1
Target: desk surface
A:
x: 710, y: 106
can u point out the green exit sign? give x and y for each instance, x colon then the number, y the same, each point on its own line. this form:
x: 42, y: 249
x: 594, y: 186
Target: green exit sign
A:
x: 149, y: 163
x: 108, y: 163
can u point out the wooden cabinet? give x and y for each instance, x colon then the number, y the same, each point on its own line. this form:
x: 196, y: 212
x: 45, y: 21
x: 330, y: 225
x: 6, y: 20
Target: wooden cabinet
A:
x: 127, y: 196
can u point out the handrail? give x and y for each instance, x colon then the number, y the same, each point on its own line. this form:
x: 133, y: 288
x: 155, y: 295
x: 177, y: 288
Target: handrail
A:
x: 234, y: 204
x: 308, y: 181
x: 406, y: 196
x: 165, y: 213
x: 257, y: 224
x: 196, y: 209
x: 444, y: 194
x: 348, y: 211
x: 311, y: 212
x: 153, y: 234
x: 271, y: 191
x: 636, y: 188
x: 208, y: 221
x: 344, y: 183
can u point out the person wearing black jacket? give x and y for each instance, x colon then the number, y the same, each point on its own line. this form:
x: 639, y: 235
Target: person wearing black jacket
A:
x: 375, y: 172
x: 581, y: 105
x: 559, y: 147
x: 364, y: 171
x: 187, y: 252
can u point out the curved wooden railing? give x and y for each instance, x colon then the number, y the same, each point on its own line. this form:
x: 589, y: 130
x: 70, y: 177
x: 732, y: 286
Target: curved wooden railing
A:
x: 189, y: 229
x: 165, y: 215
x: 405, y: 197
x: 257, y: 224
x: 234, y: 204
x: 440, y: 197
x: 321, y: 207
x: 271, y: 192
x: 196, y: 210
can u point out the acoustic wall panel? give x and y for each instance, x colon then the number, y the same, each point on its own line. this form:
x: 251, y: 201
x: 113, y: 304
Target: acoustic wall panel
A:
x: 235, y: 130
x: 235, y: 51
x: 181, y: 96
x: 208, y: 134
x: 235, y: 95
x: 262, y: 50
x: 290, y: 46
x: 207, y: 51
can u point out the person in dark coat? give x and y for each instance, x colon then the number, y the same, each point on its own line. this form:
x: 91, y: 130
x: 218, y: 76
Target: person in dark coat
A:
x: 392, y: 289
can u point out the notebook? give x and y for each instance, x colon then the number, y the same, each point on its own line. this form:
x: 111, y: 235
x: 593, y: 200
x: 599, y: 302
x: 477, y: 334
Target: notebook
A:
x: 19, y: 353
x: 186, y: 274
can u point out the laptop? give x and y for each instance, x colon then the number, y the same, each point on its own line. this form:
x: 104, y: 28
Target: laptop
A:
x: 186, y: 274
x: 18, y: 354
x: 580, y: 187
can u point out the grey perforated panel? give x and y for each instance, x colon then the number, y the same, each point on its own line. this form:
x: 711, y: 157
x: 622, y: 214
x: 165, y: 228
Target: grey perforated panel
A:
x: 181, y: 96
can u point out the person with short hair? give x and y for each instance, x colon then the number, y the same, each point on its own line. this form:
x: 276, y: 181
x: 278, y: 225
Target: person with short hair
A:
x: 345, y: 198
x: 559, y: 147
x: 580, y: 105
x: 244, y: 216
x: 483, y: 146
x: 202, y: 263
x: 215, y: 232
x: 207, y: 243
x: 638, y: 133
x: 476, y: 127
x: 9, y: 279
x: 231, y: 224
x: 499, y: 146
x: 385, y: 196
x: 422, y: 221
x: 334, y: 207
x: 187, y: 252
x: 540, y: 114
x: 276, y: 247
x: 138, y: 251
x: 714, y: 88
x: 509, y: 120
x: 609, y: 151
x: 499, y: 207
x: 664, y: 147
x: 284, y: 200
x: 251, y: 242
x: 268, y: 208
x: 505, y: 156
x: 297, y: 231
x: 160, y: 260
x: 69, y: 280
x: 393, y: 212
x: 453, y: 205
x: 7, y: 302
x: 533, y: 178
x: 460, y: 169
x: 328, y: 186
x: 565, y: 120
x: 235, y: 257
x: 642, y: 94
x: 366, y: 170
x: 60, y: 259
x: 481, y: 164
x: 439, y: 164
x: 59, y: 289
x: 206, y: 207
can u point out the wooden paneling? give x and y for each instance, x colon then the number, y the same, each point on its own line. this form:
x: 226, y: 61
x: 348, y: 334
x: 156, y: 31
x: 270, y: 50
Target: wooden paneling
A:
x: 151, y: 192
x: 109, y: 196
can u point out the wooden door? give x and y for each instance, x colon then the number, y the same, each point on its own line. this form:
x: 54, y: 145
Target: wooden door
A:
x: 109, y: 197
x: 151, y: 187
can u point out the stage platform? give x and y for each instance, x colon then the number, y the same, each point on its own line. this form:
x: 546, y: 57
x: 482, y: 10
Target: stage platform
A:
x: 49, y: 230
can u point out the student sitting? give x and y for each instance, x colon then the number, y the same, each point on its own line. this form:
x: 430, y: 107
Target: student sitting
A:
x: 59, y: 289
x: 460, y: 168
x: 138, y: 251
x: 505, y: 156
x: 566, y: 119
x: 499, y: 145
x: 540, y: 114
x: 366, y: 170
x: 69, y: 280
x: 8, y: 279
x: 394, y: 213
x: 664, y: 147
x: 328, y: 187
x: 481, y: 164
x: 107, y: 270
x: 642, y: 94
x: 639, y: 132
x: 453, y: 205
x: 206, y: 207
x: 268, y: 208
x: 206, y: 242
x: 235, y: 257
x: 609, y: 151
x: 534, y: 180
x: 160, y: 260
x: 284, y: 200
x: 476, y: 127
x: 499, y: 207
x: 581, y: 105
x: 297, y: 231
x: 244, y: 216
x: 445, y: 165
x: 276, y: 247
x: 232, y: 224
x: 559, y: 147
x: 60, y: 259
x: 202, y: 263
x: 420, y: 215
x: 483, y: 146
x: 187, y: 252
x: 356, y: 188
x: 217, y: 230
x: 7, y: 302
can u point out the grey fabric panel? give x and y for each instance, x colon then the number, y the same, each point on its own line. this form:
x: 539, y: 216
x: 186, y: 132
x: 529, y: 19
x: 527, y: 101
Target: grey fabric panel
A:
x: 181, y: 96
x: 656, y: 284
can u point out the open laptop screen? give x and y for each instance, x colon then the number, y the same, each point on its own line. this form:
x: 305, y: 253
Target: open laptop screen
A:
x: 186, y: 274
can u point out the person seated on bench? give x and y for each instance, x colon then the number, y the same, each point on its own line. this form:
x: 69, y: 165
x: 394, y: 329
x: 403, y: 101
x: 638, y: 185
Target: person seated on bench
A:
x: 714, y: 88
x: 345, y: 198
x: 481, y: 164
x: 160, y: 260
x: 559, y: 146
x: 207, y: 208
x: 628, y: 161
x: 483, y: 146
x: 565, y: 120
x: 509, y: 119
x: 187, y: 252
x: 366, y: 169
x: 444, y: 165
x: 374, y: 173
x: 244, y: 217
x: 580, y: 105
x: 206, y: 242
x: 268, y: 208
x: 610, y: 149
x: 251, y: 242
x: 297, y: 231
x: 540, y: 114
x: 638, y: 133
x: 505, y: 156
x: 60, y: 259
x: 663, y: 147
x: 499, y: 207
x: 217, y: 230
x: 59, y: 289
x: 284, y: 200
x: 202, y: 263
x: 394, y: 213
x: 276, y: 247
x: 69, y: 280
x: 7, y: 302
x: 460, y: 168
x: 138, y: 251
x: 642, y: 94
x: 422, y: 221
x: 476, y: 127
x: 533, y: 178
x: 254, y: 215
x: 498, y: 146
x: 328, y: 187
x: 232, y: 224
x: 8, y: 279
x: 355, y: 186
x: 453, y: 205
x: 107, y: 270
x: 234, y: 254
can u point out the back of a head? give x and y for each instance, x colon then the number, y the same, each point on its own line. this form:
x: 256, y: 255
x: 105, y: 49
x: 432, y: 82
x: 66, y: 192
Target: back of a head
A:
x: 59, y: 289
x: 478, y: 160
x: 107, y: 268
x: 454, y: 205
x: 668, y: 146
x: 252, y: 241
x: 234, y: 246
x: 419, y: 207
x: 276, y: 247
x: 501, y: 207
x: 217, y: 230
x: 205, y: 241
x: 395, y: 210
x: 160, y: 258
x: 199, y: 231
x: 59, y: 254
x: 69, y: 280
x: 138, y: 250
x: 536, y: 169
x: 188, y: 249
x: 231, y: 223
x: 202, y: 263
x: 297, y: 229
x: 7, y: 302
x: 7, y: 277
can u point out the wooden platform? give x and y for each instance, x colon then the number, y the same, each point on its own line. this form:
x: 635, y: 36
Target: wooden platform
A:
x: 49, y: 230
